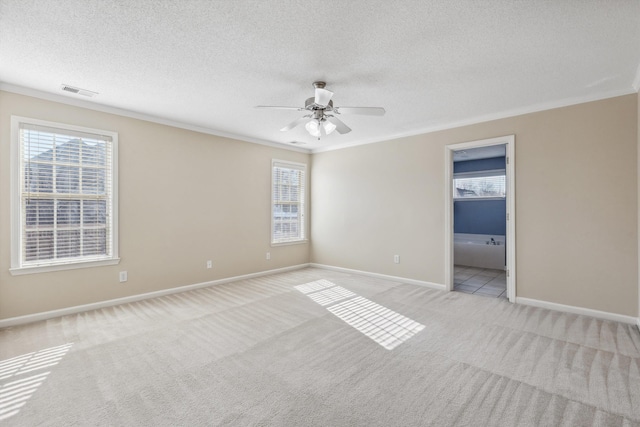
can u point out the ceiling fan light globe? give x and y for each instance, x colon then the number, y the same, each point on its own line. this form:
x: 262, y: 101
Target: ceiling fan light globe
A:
x: 313, y: 127
x: 322, y: 97
x: 328, y: 127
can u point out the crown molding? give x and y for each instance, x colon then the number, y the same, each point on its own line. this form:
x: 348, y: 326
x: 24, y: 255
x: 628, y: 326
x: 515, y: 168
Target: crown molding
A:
x: 488, y: 117
x: 62, y: 99
x: 200, y: 129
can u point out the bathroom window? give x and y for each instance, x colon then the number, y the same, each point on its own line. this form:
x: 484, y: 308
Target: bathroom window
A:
x: 480, y: 185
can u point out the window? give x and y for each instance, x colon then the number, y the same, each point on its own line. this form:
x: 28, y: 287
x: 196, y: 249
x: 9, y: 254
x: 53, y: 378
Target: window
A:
x: 479, y: 185
x: 63, y: 196
x: 287, y: 202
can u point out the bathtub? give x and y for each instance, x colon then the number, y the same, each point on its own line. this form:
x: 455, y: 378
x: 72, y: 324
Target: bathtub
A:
x: 479, y: 250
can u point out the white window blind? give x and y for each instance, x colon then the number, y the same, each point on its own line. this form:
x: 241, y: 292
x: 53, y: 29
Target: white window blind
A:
x: 478, y: 185
x: 66, y: 195
x: 287, y: 202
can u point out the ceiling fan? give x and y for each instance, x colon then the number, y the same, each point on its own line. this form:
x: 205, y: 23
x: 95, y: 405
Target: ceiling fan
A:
x: 321, y: 119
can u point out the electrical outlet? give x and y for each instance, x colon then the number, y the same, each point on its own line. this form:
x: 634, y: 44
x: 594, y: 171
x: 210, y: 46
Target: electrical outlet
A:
x: 123, y: 276
x: 209, y: 264
x: 396, y: 259
x: 268, y: 255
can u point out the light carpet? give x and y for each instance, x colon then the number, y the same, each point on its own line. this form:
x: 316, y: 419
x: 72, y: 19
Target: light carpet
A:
x: 320, y: 348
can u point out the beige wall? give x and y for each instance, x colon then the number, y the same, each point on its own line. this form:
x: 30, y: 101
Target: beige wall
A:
x: 576, y: 204
x: 575, y: 246
x: 185, y: 197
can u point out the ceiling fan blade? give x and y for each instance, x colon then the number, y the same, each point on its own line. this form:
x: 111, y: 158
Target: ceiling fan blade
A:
x: 270, y: 107
x: 340, y: 127
x: 365, y: 111
x: 296, y: 122
x: 323, y: 97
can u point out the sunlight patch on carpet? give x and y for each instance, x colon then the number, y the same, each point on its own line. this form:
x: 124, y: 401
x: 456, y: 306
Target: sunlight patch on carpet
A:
x: 21, y: 376
x: 384, y: 326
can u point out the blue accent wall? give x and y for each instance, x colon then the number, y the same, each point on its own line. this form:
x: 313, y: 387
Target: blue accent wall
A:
x: 480, y: 216
x: 479, y: 165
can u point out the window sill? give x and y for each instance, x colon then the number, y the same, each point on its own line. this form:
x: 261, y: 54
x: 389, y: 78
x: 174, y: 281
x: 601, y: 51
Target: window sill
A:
x: 295, y: 242
x: 476, y: 199
x: 17, y: 271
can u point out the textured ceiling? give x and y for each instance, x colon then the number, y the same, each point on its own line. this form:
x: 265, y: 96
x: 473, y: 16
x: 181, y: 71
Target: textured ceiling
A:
x: 430, y: 64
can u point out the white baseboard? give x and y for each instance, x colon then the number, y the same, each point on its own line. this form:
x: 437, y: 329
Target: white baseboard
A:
x: 519, y: 300
x: 20, y: 320
x: 579, y: 310
x: 431, y: 285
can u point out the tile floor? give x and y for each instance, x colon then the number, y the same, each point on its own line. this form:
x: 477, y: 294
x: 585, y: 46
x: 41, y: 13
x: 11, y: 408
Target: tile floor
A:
x: 480, y: 281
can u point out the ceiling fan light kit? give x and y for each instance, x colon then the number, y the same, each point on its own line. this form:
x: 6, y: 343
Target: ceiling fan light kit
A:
x: 315, y: 127
x: 321, y: 120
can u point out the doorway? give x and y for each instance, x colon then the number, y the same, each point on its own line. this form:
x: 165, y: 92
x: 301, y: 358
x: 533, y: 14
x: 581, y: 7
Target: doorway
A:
x: 482, y: 187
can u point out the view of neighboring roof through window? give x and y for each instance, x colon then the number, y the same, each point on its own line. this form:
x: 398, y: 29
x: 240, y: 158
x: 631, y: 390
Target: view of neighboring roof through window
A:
x: 482, y: 184
x: 65, y: 205
x: 479, y: 173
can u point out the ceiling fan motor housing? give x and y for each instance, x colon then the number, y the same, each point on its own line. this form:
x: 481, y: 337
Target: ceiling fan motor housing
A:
x: 310, y: 104
x: 318, y: 112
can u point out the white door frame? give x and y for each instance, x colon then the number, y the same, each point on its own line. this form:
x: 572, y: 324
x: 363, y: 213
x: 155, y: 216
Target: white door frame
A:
x: 509, y: 141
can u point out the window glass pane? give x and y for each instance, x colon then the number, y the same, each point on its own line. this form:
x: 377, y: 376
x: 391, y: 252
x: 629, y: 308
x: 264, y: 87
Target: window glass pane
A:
x: 94, y: 153
x: 68, y: 243
x: 94, y: 212
x: 93, y: 180
x: 67, y: 179
x: 293, y: 229
x: 38, y: 245
x: 94, y: 242
x: 39, y: 213
x: 38, y: 146
x: 67, y: 151
x: 475, y: 187
x: 68, y: 212
x: 38, y: 178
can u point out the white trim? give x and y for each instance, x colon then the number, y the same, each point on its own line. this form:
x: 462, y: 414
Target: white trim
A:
x: 15, y: 199
x: 485, y: 118
x: 14, y: 183
x: 302, y: 201
x: 294, y: 242
x: 477, y: 199
x: 436, y: 286
x: 509, y: 141
x: 18, y: 271
x: 511, y: 218
x: 638, y: 323
x: 29, y: 318
x: 448, y: 219
x: 92, y: 105
x: 480, y: 174
x: 577, y: 310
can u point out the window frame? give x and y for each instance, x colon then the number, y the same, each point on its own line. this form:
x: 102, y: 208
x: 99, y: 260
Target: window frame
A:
x: 478, y: 174
x: 302, y: 205
x: 18, y: 265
